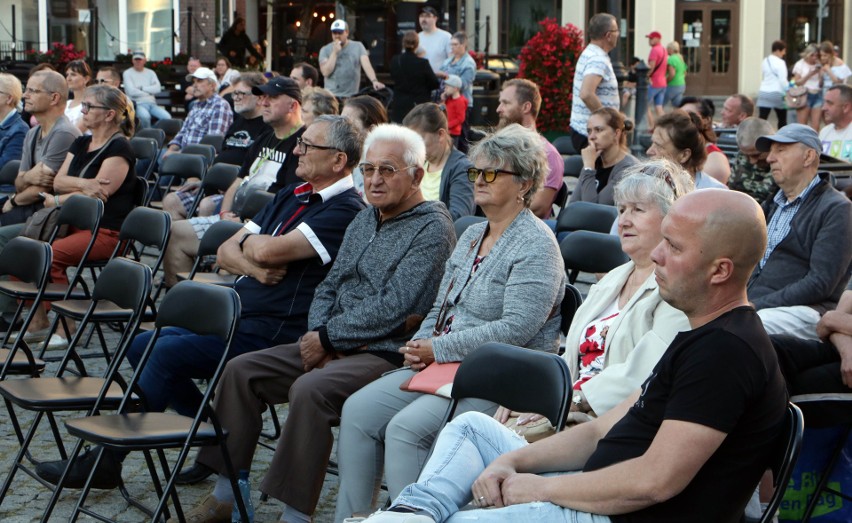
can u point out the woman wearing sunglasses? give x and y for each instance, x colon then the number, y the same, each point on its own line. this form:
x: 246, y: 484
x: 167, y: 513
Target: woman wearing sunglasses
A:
x: 504, y: 282
x: 100, y: 166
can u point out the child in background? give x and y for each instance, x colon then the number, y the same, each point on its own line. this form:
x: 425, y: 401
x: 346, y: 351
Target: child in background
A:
x: 456, y: 105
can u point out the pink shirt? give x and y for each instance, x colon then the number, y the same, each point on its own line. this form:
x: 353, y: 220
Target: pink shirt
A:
x: 660, y: 58
x: 557, y: 168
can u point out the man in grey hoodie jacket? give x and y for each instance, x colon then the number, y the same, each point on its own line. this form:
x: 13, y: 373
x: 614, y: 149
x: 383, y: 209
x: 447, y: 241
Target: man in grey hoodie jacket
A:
x: 381, y: 286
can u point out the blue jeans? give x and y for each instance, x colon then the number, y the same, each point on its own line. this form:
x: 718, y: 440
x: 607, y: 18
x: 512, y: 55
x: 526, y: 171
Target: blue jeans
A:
x: 180, y: 356
x: 656, y: 95
x: 463, y: 450
x: 145, y: 110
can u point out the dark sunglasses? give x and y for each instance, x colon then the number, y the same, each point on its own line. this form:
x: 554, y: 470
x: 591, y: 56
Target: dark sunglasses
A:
x: 489, y: 175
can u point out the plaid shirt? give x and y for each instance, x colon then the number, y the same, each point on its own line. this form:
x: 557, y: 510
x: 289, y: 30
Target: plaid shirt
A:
x: 212, y: 116
x: 779, y: 223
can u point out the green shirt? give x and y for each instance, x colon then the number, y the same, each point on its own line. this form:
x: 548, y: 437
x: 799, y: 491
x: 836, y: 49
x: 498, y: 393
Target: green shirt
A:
x: 676, y: 61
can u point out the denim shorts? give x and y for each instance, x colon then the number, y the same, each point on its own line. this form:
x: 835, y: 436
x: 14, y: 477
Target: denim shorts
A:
x: 815, y: 100
x: 656, y: 95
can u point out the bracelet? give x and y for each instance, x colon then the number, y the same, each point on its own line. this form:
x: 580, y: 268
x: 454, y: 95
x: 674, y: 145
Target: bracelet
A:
x: 56, y: 200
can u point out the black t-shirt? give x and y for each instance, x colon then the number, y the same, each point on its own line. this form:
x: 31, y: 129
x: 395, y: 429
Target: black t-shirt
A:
x: 602, y: 174
x: 723, y: 375
x: 239, y: 138
x: 119, y: 205
x: 276, y: 151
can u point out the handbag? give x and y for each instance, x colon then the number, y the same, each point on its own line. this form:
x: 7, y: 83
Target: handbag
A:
x: 40, y: 225
x: 796, y: 97
x: 436, y: 378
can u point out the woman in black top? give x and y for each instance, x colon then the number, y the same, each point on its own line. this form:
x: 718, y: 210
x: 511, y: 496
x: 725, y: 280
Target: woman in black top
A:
x: 101, y: 166
x: 413, y: 78
x: 235, y: 42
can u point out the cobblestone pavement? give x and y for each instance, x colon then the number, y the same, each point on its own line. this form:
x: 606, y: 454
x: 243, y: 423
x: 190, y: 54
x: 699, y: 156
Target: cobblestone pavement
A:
x: 26, y: 499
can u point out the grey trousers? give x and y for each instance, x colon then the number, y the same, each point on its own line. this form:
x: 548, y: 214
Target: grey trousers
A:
x: 386, y: 428
x: 7, y: 304
x: 274, y: 376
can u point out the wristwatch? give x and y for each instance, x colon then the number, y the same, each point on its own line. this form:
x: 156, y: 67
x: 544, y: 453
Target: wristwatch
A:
x: 12, y: 200
x: 244, y: 238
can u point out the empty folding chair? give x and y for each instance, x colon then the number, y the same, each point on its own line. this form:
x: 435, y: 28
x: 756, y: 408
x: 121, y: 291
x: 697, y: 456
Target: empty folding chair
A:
x: 204, y: 310
x: 154, y: 133
x: 592, y: 252
x: 171, y: 126
x: 119, y: 294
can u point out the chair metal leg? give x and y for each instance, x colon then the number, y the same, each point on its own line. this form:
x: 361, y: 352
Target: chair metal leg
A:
x: 823, y: 481
x: 19, y: 457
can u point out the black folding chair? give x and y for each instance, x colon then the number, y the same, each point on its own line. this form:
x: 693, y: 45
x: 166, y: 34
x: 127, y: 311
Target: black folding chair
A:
x: 461, y: 224
x: 154, y: 133
x: 592, y: 252
x: 119, y: 294
x: 789, y: 444
x: 570, y: 303
x: 8, y: 173
x: 586, y: 216
x: 28, y: 262
x: 255, y: 201
x: 176, y: 168
x: 218, y: 179
x: 565, y: 146
x: 146, y: 152
x: 572, y: 166
x: 171, y: 126
x: 216, y: 140
x: 215, y: 236
x: 205, y: 310
x: 206, y: 151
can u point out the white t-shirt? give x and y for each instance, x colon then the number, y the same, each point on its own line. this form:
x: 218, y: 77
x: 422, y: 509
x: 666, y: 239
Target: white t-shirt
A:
x: 774, y: 75
x: 436, y: 46
x: 837, y: 143
x: 802, y: 68
x: 74, y: 114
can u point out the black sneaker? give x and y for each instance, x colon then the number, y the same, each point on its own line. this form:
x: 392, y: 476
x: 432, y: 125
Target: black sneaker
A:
x: 107, y: 477
x: 194, y: 474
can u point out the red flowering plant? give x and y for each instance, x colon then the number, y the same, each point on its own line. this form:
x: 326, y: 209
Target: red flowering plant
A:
x: 163, y: 69
x: 549, y: 59
x: 58, y: 55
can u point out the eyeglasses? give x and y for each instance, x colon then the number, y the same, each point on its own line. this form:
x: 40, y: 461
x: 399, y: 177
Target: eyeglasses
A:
x: 30, y: 90
x: 489, y: 175
x: 102, y: 81
x: 302, y: 147
x: 385, y: 171
x: 240, y: 94
x: 86, y: 107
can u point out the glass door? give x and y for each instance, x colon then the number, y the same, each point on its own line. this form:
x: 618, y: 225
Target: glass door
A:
x: 707, y: 33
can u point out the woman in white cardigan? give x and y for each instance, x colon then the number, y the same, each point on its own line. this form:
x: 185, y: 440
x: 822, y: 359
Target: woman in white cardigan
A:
x: 623, y: 326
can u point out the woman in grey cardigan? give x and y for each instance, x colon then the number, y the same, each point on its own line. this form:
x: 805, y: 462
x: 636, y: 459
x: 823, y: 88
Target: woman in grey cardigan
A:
x: 504, y: 282
x: 605, y: 159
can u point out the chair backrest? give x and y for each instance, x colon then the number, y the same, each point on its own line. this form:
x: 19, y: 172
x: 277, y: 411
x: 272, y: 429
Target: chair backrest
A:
x: 171, y: 126
x: 26, y: 259
x: 219, y: 177
x: 464, y: 222
x: 784, y: 459
x: 561, y: 196
x: 124, y: 282
x: 594, y: 252
x: 216, y: 236
x: 572, y: 166
x: 216, y: 140
x: 81, y: 212
x: 155, y: 133
x: 208, y: 152
x: 586, y: 216
x: 206, y: 310
x: 519, y: 379
x: 182, y: 166
x: 565, y: 146
x: 147, y: 226
x: 145, y: 150
x: 9, y: 172
x: 570, y: 303
x: 255, y: 201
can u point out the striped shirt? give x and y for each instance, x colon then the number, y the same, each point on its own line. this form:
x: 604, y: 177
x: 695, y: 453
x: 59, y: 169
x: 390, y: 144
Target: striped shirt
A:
x: 212, y: 116
x: 594, y: 60
x: 781, y: 220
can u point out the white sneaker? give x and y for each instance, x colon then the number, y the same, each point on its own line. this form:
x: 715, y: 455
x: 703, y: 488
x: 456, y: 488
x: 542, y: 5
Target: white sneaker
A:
x: 395, y: 517
x: 57, y: 342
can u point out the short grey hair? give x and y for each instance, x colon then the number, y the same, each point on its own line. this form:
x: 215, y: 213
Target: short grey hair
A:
x: 323, y: 100
x: 750, y: 129
x: 600, y: 25
x: 658, y: 181
x: 517, y: 149
x: 415, y: 148
x: 343, y: 136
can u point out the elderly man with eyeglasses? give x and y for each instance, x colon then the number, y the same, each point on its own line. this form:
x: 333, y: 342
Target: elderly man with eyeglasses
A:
x: 383, y: 283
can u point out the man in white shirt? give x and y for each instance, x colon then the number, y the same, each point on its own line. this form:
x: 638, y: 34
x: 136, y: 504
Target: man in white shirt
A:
x: 434, y: 42
x: 141, y: 84
x: 836, y: 137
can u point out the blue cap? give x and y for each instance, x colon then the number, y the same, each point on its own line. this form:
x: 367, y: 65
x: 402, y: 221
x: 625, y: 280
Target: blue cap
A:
x: 792, y: 133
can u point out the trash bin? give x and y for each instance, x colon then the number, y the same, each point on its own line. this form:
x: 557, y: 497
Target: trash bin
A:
x: 486, y: 95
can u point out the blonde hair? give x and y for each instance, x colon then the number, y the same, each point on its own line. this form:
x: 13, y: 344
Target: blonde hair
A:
x: 673, y: 48
x: 10, y: 85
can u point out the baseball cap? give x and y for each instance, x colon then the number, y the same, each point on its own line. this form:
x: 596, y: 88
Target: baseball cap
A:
x: 792, y: 133
x: 279, y: 85
x: 654, y: 34
x: 453, y: 81
x: 429, y: 9
x: 203, y: 73
x: 339, y: 25
x: 138, y: 54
